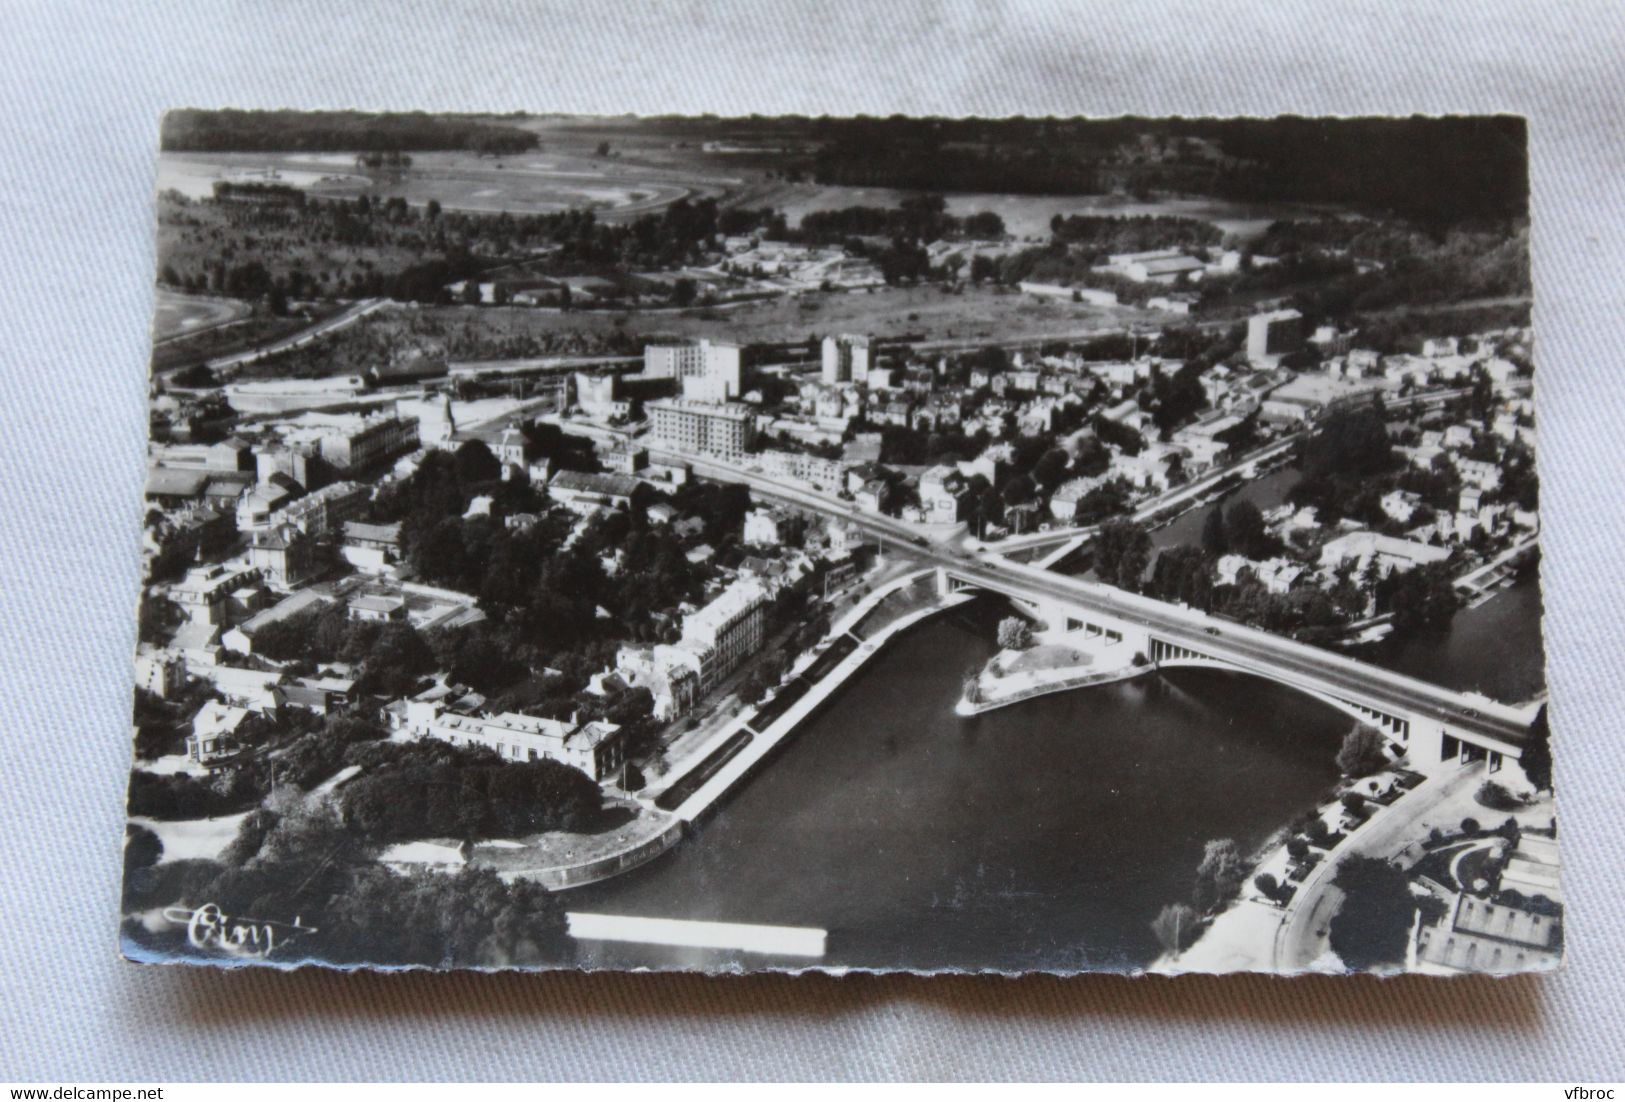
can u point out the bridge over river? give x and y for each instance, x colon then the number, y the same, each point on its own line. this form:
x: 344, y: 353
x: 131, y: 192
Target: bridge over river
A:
x: 1433, y: 723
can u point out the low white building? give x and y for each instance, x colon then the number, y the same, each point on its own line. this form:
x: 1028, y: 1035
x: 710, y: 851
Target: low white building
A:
x: 1474, y: 472
x: 587, y: 492
x: 773, y: 526
x: 1390, y: 552
x: 673, y: 685
x: 215, y: 733
x: 1400, y: 505
x: 1063, y: 503
x: 1276, y: 574
x: 594, y: 747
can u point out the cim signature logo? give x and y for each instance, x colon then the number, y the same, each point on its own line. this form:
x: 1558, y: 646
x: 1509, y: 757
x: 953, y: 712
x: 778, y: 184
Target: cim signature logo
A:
x: 212, y: 930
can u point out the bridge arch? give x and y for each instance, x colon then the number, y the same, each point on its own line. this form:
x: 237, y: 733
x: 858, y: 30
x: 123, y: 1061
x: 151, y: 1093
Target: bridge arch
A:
x: 1166, y: 655
x: 1430, y: 732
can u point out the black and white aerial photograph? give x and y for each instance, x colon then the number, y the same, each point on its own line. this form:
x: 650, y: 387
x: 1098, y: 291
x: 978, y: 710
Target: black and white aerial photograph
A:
x: 851, y: 544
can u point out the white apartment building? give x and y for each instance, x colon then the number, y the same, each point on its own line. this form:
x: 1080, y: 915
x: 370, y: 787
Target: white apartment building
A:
x: 324, y: 511
x: 722, y: 429
x: 674, y: 686
x: 202, y: 594
x: 718, y: 637
x: 594, y: 747
x: 828, y: 475
x: 846, y: 359
x: 716, y: 362
x: 369, y: 441
x: 941, y: 491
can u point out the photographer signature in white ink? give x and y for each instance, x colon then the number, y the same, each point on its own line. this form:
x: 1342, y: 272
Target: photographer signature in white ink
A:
x: 210, y: 928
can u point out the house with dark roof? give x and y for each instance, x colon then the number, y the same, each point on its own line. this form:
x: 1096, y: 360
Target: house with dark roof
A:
x: 588, y: 492
x: 174, y: 485
x: 284, y: 556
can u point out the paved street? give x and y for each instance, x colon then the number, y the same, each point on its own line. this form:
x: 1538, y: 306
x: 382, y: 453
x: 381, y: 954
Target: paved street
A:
x: 1302, y: 937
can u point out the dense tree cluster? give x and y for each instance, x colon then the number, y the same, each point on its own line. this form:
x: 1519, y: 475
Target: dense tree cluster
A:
x: 916, y: 218
x: 1536, y: 760
x: 1238, y: 529
x: 1361, y: 753
x: 1122, y: 551
x: 1014, y: 156
x: 1434, y: 170
x: 301, y: 859
x: 184, y: 796
x: 1220, y: 874
x: 1184, y: 575
x: 335, y: 131
x: 1405, y: 330
x: 1468, y: 264
x: 1423, y: 598
x: 370, y: 246
x: 1121, y: 436
x: 298, y: 750
x: 1015, y: 633
x: 1176, y: 926
x: 431, y: 789
x: 1095, y: 237
x: 1340, y: 461
x: 550, y: 606
x: 1371, y: 929
x: 392, y: 656
x: 1176, y: 398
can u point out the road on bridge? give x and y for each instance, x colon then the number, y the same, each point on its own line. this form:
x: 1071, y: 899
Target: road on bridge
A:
x: 1267, y: 654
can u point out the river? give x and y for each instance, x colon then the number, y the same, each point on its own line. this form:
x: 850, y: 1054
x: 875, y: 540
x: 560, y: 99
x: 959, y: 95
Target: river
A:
x: 1266, y: 493
x: 1494, y: 648
x: 1044, y: 835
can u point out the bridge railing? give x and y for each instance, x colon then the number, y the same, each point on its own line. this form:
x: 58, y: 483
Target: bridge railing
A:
x: 1016, y: 579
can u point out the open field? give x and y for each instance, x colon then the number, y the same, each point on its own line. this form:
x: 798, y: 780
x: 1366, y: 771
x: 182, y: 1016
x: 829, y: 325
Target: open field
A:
x: 645, y: 170
x: 536, y: 182
x: 926, y: 313
x: 177, y: 315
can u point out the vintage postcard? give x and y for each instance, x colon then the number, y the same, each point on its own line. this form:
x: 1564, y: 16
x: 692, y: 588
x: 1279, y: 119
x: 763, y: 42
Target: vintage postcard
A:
x: 846, y: 543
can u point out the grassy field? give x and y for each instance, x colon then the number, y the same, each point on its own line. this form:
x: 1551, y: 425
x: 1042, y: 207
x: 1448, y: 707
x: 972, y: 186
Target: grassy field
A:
x: 529, y: 183
x: 463, y: 333
x: 177, y: 315
x: 645, y: 170
x: 921, y: 313
x: 1049, y: 656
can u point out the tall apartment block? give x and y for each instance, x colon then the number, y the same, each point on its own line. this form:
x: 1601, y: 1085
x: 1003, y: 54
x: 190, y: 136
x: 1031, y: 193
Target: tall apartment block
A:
x: 846, y: 359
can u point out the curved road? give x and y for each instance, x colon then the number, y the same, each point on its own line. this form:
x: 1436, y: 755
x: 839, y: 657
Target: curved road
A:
x: 348, y: 316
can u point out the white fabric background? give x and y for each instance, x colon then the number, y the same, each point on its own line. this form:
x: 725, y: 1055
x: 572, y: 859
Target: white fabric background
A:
x: 83, y: 88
